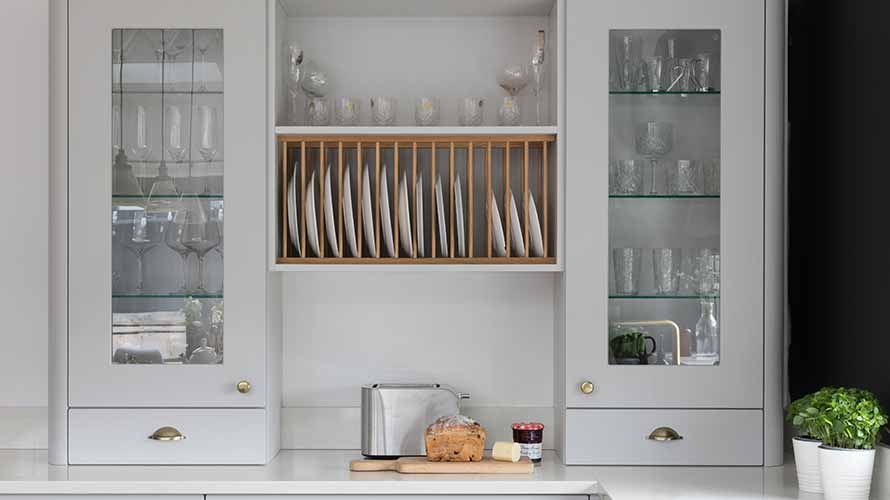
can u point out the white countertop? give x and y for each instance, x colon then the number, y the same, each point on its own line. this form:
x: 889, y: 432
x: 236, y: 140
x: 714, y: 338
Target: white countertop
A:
x: 326, y: 472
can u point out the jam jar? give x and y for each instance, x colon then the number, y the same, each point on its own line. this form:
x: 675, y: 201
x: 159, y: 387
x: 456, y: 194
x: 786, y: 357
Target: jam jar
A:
x: 530, y: 436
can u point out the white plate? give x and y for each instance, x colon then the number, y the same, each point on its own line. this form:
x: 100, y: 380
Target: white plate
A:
x: 500, y: 247
x: 330, y: 227
x: 405, y: 217
x: 536, y: 241
x: 459, y: 209
x: 385, y: 215
x: 311, y: 221
x: 516, y: 229
x: 440, y: 209
x: 347, y: 214
x: 418, y: 215
x: 292, y: 221
x: 368, y: 215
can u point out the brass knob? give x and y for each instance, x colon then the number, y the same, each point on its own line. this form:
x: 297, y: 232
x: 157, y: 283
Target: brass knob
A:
x: 664, y: 434
x: 167, y: 433
x: 587, y: 387
x: 243, y: 387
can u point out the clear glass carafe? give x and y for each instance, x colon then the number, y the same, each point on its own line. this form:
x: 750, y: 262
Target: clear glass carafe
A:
x: 707, y: 336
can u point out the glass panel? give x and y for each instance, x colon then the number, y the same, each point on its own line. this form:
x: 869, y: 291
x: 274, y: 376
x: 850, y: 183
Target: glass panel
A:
x: 664, y: 197
x: 167, y: 198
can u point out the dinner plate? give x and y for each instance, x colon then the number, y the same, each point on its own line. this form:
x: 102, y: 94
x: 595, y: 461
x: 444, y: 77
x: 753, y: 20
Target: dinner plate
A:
x: 497, y: 230
x: 330, y: 222
x: 311, y: 221
x: 536, y: 240
x: 347, y: 213
x: 405, y: 217
x: 459, y: 213
x: 418, y: 215
x: 368, y: 216
x: 440, y: 209
x: 386, y: 221
x: 516, y: 229
x: 292, y: 221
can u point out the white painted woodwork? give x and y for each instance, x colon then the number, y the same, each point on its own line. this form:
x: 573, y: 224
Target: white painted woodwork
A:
x: 212, y: 436
x: 619, y: 437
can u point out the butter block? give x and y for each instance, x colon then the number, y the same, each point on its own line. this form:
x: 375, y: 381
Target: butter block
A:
x: 506, y: 452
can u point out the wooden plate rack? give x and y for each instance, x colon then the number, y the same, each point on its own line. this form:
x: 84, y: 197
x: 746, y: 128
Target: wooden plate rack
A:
x: 493, y: 164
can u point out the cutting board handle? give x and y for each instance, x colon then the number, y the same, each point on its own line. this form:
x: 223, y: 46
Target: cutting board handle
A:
x: 373, y: 465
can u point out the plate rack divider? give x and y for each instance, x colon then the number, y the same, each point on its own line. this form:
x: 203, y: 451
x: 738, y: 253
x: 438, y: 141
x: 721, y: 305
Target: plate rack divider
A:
x: 486, y: 167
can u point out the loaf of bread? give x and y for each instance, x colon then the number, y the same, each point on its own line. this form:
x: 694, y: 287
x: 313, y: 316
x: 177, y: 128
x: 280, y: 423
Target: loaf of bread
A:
x: 455, y: 438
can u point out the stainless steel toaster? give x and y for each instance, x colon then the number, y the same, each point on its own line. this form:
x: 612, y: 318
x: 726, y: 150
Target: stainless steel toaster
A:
x: 395, y: 416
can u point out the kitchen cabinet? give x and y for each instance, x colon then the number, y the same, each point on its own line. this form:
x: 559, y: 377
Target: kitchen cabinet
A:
x: 165, y: 319
x: 666, y: 304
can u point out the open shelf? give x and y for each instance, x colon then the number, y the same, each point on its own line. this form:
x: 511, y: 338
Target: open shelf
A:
x: 287, y: 130
x: 163, y: 295
x: 665, y: 297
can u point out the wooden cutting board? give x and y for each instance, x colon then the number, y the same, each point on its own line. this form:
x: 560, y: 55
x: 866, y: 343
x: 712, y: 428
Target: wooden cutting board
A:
x: 420, y: 465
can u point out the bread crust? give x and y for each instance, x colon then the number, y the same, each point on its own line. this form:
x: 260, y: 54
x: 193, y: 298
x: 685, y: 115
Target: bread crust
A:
x: 455, y: 438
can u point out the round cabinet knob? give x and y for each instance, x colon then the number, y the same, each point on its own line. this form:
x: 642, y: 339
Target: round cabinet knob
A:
x: 664, y: 434
x: 587, y: 387
x: 243, y: 387
x: 167, y: 433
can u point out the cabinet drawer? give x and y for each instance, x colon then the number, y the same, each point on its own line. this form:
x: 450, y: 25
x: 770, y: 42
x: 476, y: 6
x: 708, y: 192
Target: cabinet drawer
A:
x: 109, y: 436
x: 619, y: 437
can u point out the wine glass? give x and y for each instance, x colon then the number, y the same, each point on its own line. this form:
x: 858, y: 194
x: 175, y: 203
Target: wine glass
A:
x: 121, y: 41
x: 654, y: 140
x: 204, y: 40
x: 173, y: 240
x: 144, y: 233
x: 199, y: 234
x: 141, y: 147
x: 176, y: 134
x: 220, y: 248
x: 537, y: 73
x: 294, y: 74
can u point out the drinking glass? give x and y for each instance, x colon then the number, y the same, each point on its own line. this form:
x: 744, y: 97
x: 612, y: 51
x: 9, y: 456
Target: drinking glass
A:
x: 144, y: 233
x: 537, y: 74
x: 294, y: 74
x: 173, y: 240
x: 626, y: 177
x: 348, y: 111
x: 702, y: 72
x: 654, y: 140
x: 199, y: 234
x: 510, y: 113
x: 707, y: 336
x: 513, y: 78
x: 666, y: 270
x: 426, y: 111
x: 684, y: 177
x: 384, y: 110
x: 318, y: 111
x: 175, y: 133
x: 626, y: 266
x: 682, y: 79
x: 706, y: 271
x: 712, y: 176
x: 116, y: 131
x: 315, y: 81
x: 141, y: 148
x: 209, y: 124
x: 653, y: 66
x: 470, y: 111
x: 628, y: 64
x: 204, y: 40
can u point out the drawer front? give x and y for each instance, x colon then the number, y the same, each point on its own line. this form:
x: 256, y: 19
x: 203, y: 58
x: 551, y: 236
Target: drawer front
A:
x: 619, y: 437
x: 109, y: 436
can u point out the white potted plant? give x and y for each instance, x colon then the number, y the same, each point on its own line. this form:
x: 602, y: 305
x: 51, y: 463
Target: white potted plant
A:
x: 848, y: 425
x: 804, y: 416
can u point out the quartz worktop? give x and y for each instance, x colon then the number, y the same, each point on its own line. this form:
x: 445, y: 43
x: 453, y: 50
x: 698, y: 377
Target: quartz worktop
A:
x: 327, y: 472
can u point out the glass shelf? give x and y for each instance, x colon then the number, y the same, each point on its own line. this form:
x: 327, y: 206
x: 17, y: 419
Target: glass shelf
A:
x: 167, y: 196
x: 162, y: 295
x: 673, y: 92
x: 666, y: 196
x: 666, y: 297
x: 158, y: 92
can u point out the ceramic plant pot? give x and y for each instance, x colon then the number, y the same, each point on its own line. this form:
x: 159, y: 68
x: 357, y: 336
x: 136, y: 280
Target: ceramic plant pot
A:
x: 846, y: 473
x: 806, y: 459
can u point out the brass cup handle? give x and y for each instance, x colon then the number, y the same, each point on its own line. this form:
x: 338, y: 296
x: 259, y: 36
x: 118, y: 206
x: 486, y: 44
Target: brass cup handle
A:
x: 167, y: 433
x: 664, y: 434
x: 243, y: 386
x: 587, y: 387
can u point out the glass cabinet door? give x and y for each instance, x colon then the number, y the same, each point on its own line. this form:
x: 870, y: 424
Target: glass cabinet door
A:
x: 664, y: 233
x: 154, y: 318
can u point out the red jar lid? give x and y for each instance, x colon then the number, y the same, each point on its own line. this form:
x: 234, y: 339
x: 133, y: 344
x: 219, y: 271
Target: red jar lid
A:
x: 528, y: 426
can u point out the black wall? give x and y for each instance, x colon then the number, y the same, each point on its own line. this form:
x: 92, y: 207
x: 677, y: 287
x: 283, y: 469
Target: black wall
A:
x: 839, y: 194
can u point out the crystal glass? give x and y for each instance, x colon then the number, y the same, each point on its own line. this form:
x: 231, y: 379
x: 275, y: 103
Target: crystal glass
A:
x: 628, y: 66
x: 653, y: 66
x: 684, y: 177
x: 141, y: 146
x: 314, y: 81
x: 144, y: 232
x: 348, y: 111
x: 173, y: 240
x: 208, y: 132
x: 470, y: 111
x: 666, y: 270
x: 199, y: 234
x: 509, y: 113
x: 177, y: 45
x: 654, y: 140
x: 682, y: 79
x: 711, y: 174
x: 294, y: 73
x: 176, y: 133
x: 384, y: 110
x: 318, y: 111
x: 706, y: 271
x: 513, y: 78
x: 205, y: 40
x: 707, y: 336
x: 626, y: 177
x: 426, y: 111
x: 536, y: 68
x: 702, y: 72
x: 626, y: 266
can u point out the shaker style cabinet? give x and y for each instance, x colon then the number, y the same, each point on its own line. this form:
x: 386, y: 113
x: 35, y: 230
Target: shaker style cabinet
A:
x: 671, y: 196
x: 168, y: 322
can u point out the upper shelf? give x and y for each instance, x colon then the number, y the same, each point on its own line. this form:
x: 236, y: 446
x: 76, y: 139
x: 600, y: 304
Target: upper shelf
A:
x: 663, y: 92
x: 413, y: 8
x: 416, y: 131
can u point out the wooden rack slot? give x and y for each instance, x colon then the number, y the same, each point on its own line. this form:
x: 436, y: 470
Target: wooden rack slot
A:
x: 530, y: 169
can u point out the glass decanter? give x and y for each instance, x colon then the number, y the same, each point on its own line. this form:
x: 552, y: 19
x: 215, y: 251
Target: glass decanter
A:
x: 707, y: 337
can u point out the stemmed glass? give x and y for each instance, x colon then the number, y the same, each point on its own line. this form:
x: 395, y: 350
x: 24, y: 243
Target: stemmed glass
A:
x: 294, y: 74
x: 141, y: 147
x: 204, y: 39
x: 176, y: 133
x: 537, y: 71
x: 220, y: 247
x: 513, y: 79
x: 173, y: 240
x: 654, y: 140
x: 145, y: 233
x: 208, y: 133
x: 199, y: 234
